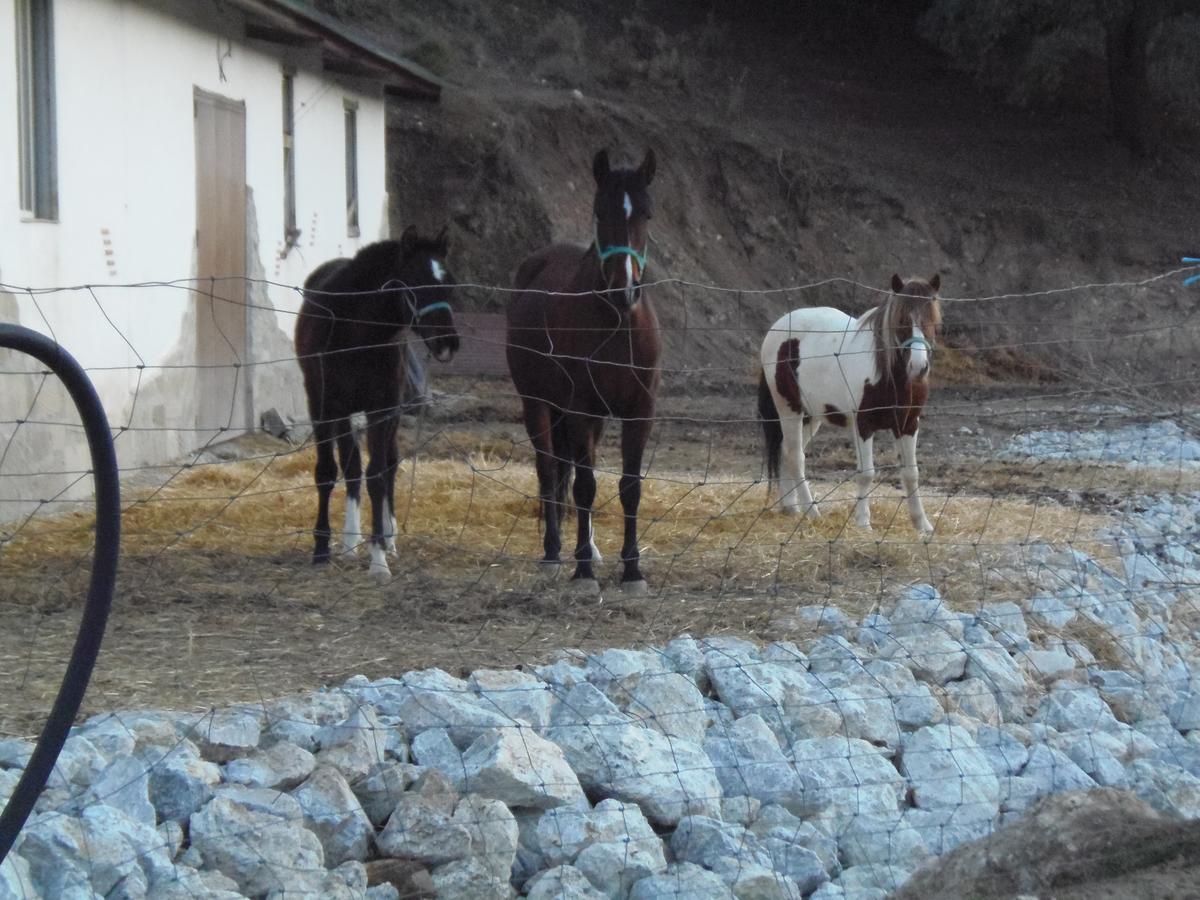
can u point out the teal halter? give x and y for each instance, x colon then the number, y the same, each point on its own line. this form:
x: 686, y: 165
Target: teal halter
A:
x: 441, y: 304
x: 396, y: 284
x: 618, y: 250
x: 916, y: 340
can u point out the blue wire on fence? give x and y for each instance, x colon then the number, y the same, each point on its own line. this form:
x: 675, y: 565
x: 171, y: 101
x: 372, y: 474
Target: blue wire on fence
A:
x: 1192, y: 279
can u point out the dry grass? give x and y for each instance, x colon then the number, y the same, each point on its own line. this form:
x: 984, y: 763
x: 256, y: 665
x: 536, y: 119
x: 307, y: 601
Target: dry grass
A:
x: 216, y: 602
x: 474, y: 498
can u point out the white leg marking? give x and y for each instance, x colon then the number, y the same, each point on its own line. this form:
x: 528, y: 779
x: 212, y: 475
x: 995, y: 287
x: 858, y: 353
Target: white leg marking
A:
x: 389, y: 528
x: 907, y: 446
x: 865, y: 450
x: 596, y: 557
x: 352, y: 529
x: 795, y: 494
x: 379, y: 566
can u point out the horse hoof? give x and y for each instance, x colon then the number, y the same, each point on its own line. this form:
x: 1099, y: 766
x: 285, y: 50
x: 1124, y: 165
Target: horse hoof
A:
x: 924, y: 528
x: 813, y: 512
x: 380, y: 574
x: 582, y: 587
x: 635, y: 588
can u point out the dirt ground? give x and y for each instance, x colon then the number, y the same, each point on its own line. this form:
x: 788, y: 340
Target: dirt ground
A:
x: 217, y: 601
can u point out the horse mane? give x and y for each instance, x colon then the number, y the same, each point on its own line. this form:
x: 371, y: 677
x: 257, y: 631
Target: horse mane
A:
x: 917, y: 304
x: 369, y: 268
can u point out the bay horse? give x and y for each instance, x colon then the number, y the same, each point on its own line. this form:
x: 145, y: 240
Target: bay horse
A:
x: 348, y: 344
x: 869, y: 374
x: 583, y: 346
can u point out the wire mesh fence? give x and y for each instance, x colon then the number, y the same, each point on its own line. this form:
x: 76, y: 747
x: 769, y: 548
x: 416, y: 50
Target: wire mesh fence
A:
x: 797, y: 705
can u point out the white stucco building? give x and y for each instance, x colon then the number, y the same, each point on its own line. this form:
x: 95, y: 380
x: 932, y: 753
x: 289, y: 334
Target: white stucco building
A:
x: 215, y: 151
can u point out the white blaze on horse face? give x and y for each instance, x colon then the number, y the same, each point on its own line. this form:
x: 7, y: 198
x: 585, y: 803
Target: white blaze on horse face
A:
x: 439, y: 274
x: 919, y: 357
x: 628, y: 208
x: 630, y: 284
x: 442, y: 354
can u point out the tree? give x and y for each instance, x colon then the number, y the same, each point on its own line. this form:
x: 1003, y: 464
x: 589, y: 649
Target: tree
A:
x: 1046, y: 51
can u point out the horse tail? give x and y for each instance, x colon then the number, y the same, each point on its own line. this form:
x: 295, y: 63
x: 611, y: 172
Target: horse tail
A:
x: 768, y: 417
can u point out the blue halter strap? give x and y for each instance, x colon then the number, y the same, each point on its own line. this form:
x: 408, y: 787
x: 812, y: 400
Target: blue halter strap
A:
x: 1193, y: 278
x: 393, y: 284
x: 441, y: 304
x: 917, y: 340
x: 618, y: 250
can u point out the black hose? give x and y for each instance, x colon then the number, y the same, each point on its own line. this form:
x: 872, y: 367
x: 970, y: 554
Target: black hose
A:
x: 104, y: 574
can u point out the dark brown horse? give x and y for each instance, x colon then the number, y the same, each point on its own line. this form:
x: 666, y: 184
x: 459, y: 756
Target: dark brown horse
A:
x: 347, y: 341
x: 583, y: 346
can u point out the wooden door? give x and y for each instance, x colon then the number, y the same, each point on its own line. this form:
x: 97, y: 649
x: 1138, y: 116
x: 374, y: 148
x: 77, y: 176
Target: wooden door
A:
x: 222, y: 336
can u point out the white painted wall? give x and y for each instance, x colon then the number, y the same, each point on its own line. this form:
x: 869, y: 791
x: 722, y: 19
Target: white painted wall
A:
x: 125, y: 73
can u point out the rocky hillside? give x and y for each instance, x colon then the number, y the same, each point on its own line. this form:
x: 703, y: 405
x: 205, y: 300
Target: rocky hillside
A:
x: 791, y: 154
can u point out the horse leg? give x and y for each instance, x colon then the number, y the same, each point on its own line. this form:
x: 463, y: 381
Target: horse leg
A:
x: 561, y: 440
x: 381, y: 428
x: 795, y: 494
x: 538, y: 427
x: 907, y: 444
x: 389, y: 509
x: 584, y: 445
x: 634, y: 434
x: 593, y: 439
x: 811, y: 427
x: 351, y: 459
x: 325, y: 475
x: 864, y: 449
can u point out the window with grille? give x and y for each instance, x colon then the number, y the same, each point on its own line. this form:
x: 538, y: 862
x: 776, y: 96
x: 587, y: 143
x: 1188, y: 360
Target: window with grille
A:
x: 35, y: 109
x: 351, y: 168
x: 291, y: 234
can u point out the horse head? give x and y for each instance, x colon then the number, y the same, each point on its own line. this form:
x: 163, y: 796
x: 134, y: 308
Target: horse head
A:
x: 428, y: 287
x: 907, y: 327
x: 622, y: 211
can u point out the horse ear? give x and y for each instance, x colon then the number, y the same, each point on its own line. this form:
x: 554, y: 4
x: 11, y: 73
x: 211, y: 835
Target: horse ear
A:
x: 897, y: 284
x: 648, y: 166
x: 600, y: 167
x: 408, y: 239
x: 443, y: 240
x: 936, y: 282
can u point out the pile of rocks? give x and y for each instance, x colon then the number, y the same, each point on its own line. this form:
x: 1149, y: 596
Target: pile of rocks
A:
x: 707, y: 768
x: 1161, y: 443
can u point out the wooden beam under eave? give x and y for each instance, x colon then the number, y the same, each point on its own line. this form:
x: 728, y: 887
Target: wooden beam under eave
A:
x: 340, y: 64
x: 280, y: 36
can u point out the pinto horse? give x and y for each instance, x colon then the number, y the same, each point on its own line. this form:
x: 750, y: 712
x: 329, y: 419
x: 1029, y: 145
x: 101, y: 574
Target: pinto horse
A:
x: 583, y: 346
x: 871, y: 374
x: 347, y: 341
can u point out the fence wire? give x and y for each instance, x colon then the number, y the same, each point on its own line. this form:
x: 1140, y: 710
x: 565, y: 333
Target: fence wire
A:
x: 798, y: 706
